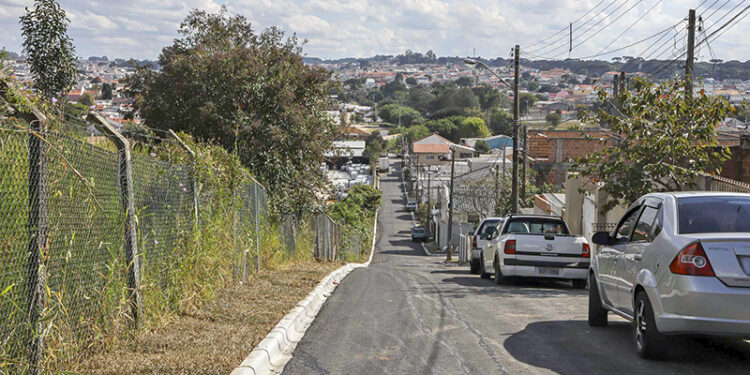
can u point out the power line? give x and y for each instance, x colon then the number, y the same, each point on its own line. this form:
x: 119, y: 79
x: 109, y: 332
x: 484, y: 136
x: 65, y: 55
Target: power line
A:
x: 605, y: 26
x: 715, y: 35
x: 574, y: 30
x: 566, y: 27
x: 597, y: 23
x: 628, y: 28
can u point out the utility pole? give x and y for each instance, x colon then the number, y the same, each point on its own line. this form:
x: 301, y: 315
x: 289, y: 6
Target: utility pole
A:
x: 524, y: 160
x: 516, y: 120
x: 451, y: 205
x: 497, y: 186
x: 689, y: 67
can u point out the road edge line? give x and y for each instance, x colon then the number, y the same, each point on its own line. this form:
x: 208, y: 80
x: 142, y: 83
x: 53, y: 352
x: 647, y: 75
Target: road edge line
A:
x: 274, y: 351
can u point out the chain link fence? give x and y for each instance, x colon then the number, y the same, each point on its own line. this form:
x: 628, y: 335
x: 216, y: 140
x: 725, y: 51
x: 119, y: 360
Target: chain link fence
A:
x: 62, y: 244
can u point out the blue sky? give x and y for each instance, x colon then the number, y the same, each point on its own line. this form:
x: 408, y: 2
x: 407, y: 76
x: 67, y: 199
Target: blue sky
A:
x: 360, y: 28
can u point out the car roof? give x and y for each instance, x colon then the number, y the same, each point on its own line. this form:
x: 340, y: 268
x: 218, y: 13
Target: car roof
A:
x: 683, y: 194
x: 535, y: 216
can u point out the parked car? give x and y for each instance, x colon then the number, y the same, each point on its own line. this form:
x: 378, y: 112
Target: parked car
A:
x: 411, y: 206
x: 479, y: 238
x: 384, y: 164
x: 536, y: 246
x: 418, y: 234
x: 676, y: 263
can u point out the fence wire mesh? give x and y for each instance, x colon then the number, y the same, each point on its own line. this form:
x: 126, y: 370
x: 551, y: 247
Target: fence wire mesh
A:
x: 68, y: 193
x: 164, y: 211
x: 83, y: 219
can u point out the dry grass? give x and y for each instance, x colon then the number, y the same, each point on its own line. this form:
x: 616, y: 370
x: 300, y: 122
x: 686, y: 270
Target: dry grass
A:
x: 216, y: 338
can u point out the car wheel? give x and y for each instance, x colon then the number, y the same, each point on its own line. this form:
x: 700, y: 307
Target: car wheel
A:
x: 474, y: 266
x: 482, y: 272
x: 579, y: 284
x: 649, y: 343
x: 598, y: 315
x: 499, y: 278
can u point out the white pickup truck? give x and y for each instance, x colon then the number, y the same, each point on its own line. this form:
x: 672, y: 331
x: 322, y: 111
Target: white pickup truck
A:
x: 537, y: 246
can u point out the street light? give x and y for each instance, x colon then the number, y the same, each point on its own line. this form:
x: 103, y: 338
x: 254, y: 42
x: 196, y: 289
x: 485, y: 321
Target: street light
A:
x: 516, y: 122
x: 484, y: 66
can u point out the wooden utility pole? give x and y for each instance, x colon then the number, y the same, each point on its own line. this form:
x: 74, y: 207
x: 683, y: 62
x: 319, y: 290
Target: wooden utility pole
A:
x: 524, y: 159
x: 497, y: 186
x: 689, y: 67
x: 616, y: 88
x: 516, y: 120
x: 451, y: 204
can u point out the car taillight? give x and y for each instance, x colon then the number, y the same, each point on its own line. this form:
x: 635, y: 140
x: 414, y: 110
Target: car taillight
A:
x: 510, y: 246
x: 474, y: 242
x: 692, y: 261
x: 585, y: 250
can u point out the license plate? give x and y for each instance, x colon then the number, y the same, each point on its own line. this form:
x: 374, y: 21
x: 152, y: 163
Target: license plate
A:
x: 548, y: 270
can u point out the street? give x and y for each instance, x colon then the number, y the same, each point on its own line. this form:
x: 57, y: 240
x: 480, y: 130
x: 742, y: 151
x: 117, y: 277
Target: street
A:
x: 409, y: 313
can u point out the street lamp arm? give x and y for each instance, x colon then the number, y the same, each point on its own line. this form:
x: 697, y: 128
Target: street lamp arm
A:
x: 484, y: 66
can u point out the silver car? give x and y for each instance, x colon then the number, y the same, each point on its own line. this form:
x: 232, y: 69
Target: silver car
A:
x: 676, y: 263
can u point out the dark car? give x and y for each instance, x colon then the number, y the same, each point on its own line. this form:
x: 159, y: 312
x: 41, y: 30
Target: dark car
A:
x: 418, y: 234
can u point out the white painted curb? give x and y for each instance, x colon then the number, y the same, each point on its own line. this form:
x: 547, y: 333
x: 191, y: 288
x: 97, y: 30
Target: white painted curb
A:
x: 275, y: 350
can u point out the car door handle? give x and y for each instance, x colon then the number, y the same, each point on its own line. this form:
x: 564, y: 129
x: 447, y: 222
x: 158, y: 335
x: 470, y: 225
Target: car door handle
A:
x: 638, y: 256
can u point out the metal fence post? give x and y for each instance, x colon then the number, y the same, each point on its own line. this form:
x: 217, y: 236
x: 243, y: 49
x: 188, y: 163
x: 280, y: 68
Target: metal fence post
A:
x: 257, y: 225
x: 194, y: 182
x: 37, y: 225
x: 128, y: 203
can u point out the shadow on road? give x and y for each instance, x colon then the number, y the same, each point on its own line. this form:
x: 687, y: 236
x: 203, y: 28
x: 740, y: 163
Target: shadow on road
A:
x: 573, y: 347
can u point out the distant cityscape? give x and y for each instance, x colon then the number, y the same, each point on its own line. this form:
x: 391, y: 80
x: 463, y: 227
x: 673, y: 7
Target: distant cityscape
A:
x: 560, y: 89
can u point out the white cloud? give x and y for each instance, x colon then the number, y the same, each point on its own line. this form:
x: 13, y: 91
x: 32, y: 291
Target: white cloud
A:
x: 339, y: 28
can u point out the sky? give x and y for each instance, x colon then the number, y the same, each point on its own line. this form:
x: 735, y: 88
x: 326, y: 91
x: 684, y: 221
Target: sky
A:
x: 363, y: 28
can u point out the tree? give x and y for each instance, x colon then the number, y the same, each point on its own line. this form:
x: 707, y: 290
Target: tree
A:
x: 444, y: 126
x: 416, y: 132
x: 553, y: 119
x: 661, y: 141
x: 532, y: 85
x: 527, y: 100
x: 411, y: 81
x: 482, y: 146
x: 500, y: 121
x: 473, y: 127
x: 489, y: 97
x: 392, y: 112
x: 454, y: 101
x: 465, y: 81
x: 421, y: 98
x: 107, y: 91
x: 50, y: 51
x: 87, y: 99
x: 251, y: 93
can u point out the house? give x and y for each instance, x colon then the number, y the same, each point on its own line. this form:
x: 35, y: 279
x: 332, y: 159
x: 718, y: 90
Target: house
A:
x: 436, y: 150
x: 354, y: 133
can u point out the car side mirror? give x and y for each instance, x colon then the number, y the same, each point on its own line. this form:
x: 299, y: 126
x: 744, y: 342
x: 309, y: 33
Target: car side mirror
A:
x: 489, y: 236
x: 471, y: 233
x: 601, y: 238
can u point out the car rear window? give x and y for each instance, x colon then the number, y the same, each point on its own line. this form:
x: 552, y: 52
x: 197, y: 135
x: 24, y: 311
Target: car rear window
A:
x: 537, y: 226
x: 713, y: 214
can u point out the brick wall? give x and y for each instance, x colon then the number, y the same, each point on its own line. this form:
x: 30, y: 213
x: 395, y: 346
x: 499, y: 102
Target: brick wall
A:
x: 543, y: 144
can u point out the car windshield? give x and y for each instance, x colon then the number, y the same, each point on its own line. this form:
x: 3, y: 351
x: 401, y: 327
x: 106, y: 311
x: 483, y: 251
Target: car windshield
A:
x: 488, y: 227
x: 713, y: 214
x: 418, y: 230
x: 537, y: 226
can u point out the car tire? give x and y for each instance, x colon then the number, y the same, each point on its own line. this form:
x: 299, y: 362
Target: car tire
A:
x: 598, y: 315
x: 499, y: 278
x: 474, y: 266
x: 649, y: 342
x: 579, y: 283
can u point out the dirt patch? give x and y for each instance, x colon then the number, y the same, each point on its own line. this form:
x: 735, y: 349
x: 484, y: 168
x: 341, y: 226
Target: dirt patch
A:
x: 221, y: 334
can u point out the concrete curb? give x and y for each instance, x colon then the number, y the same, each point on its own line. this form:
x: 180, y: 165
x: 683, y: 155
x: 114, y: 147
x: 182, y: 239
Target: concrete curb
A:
x: 275, y: 350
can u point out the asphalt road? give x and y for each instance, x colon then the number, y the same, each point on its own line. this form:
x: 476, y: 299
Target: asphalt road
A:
x: 412, y: 314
